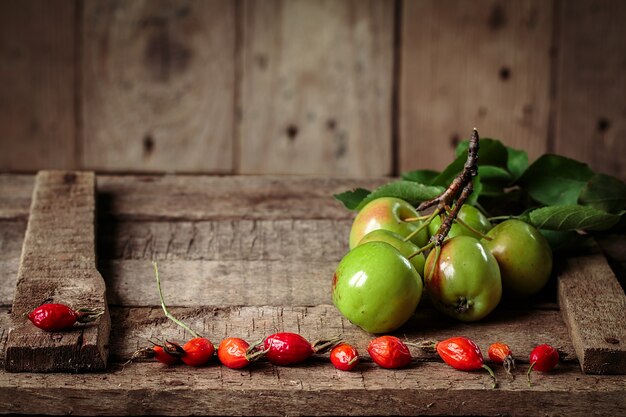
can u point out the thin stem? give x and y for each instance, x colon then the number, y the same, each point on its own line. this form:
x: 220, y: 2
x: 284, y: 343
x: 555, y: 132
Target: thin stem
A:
x: 502, y: 218
x: 530, y: 368
x: 493, y: 376
x: 167, y: 313
x: 422, y: 226
x: 416, y: 219
x: 424, y: 249
x: 473, y: 230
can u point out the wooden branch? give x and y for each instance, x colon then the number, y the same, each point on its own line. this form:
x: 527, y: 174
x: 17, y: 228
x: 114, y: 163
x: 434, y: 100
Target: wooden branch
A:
x: 593, y: 306
x: 58, y: 264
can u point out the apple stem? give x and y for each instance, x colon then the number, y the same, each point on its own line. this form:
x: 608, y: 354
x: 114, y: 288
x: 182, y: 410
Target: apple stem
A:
x: 418, y: 218
x: 497, y: 218
x: 422, y: 226
x: 165, y: 310
x: 473, y: 230
x: 420, y: 250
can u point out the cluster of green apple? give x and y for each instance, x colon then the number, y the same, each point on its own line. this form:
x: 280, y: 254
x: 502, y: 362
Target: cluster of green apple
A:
x: 380, y: 282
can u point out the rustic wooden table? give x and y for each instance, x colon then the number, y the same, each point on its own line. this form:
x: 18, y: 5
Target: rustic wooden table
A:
x: 248, y: 256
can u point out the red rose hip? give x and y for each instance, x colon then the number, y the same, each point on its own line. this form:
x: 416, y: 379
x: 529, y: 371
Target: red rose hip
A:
x: 344, y: 357
x: 56, y: 317
x: 389, y: 352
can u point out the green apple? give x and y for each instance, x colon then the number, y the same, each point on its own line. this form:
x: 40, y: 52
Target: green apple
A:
x: 387, y: 213
x: 376, y: 288
x: 406, y: 248
x: 463, y: 281
x: 524, y: 256
x: 468, y: 214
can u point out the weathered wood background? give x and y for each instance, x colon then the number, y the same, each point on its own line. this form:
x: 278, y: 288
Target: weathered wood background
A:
x: 338, y: 88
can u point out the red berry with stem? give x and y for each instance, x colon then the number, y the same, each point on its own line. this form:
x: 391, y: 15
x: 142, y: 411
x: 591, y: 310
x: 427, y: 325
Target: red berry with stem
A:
x: 500, y: 353
x: 463, y: 354
x: 56, y: 317
x: 232, y: 352
x: 198, y: 351
x: 344, y: 357
x: 389, y: 352
x: 542, y: 358
x: 287, y: 348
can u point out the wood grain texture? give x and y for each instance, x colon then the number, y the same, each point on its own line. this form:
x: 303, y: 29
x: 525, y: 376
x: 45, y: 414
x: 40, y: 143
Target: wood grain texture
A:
x: 16, y: 193
x: 158, y: 85
x: 37, y: 74
x: 59, y: 265
x: 316, y: 88
x: 590, y: 105
x: 483, y: 64
x: 313, y: 389
x: 198, y: 198
x: 594, y: 308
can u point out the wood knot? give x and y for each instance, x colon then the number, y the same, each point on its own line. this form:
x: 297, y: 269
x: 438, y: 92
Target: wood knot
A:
x: 612, y: 340
x: 69, y: 178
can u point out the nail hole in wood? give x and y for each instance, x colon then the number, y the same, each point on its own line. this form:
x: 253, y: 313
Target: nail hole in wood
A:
x: 603, y: 124
x: 331, y: 124
x: 292, y: 132
x: 69, y: 178
x: 505, y: 73
x: 612, y: 340
x: 148, y: 145
x: 454, y: 140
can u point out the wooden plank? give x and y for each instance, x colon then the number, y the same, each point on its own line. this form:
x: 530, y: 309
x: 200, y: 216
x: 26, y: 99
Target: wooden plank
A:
x: 314, y: 101
x: 590, y: 106
x: 593, y: 305
x: 170, y: 198
x: 314, y: 389
x: 37, y: 108
x: 481, y: 64
x: 197, y: 198
x: 58, y: 264
x: 158, y: 85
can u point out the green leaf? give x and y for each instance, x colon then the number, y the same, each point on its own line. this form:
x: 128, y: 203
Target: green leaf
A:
x: 561, y: 240
x: 555, y: 180
x: 604, y: 192
x: 572, y: 217
x: 351, y: 199
x: 410, y: 191
x: 494, y: 174
x: 491, y: 152
x: 423, y: 176
x: 517, y: 162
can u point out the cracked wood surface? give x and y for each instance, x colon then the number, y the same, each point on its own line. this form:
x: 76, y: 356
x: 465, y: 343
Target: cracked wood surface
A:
x: 58, y: 265
x: 275, y: 252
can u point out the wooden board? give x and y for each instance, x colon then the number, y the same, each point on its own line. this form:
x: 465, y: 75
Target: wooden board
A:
x: 37, y: 75
x: 251, y: 235
x: 316, y: 101
x: 590, y: 105
x: 594, y: 307
x: 58, y: 265
x: 480, y: 64
x: 158, y: 86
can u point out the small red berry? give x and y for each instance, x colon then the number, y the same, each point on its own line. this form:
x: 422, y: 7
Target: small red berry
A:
x: 163, y: 357
x: 232, y: 352
x: 56, y: 317
x: 463, y: 354
x: 542, y: 358
x: 344, y: 357
x: 389, y: 352
x: 198, y: 351
x: 501, y: 353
